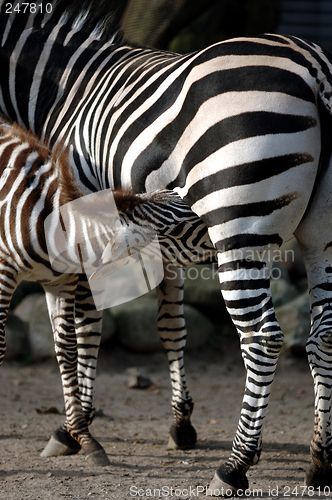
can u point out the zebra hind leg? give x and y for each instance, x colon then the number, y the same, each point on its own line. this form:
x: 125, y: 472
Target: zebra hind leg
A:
x: 319, y: 351
x: 172, y: 331
x: 314, y: 235
x: 246, y: 289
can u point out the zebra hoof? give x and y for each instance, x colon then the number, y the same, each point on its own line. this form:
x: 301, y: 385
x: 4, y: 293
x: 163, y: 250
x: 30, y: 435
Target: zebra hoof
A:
x: 60, y: 443
x: 56, y: 449
x: 219, y: 488
x: 227, y: 482
x: 182, y: 437
x: 319, y: 476
x: 98, y: 457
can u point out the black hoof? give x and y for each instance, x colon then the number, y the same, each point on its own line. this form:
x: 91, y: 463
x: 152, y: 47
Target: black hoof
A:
x: 61, y: 443
x: 319, y: 476
x: 182, y: 436
x: 98, y: 457
x: 228, y: 481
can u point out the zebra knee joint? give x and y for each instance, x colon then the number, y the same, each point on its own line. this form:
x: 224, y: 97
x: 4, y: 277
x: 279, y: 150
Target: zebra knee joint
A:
x: 325, y: 341
x: 269, y: 344
x: 273, y: 343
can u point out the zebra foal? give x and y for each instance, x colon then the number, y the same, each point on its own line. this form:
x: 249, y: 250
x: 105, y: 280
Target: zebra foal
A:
x: 35, y: 183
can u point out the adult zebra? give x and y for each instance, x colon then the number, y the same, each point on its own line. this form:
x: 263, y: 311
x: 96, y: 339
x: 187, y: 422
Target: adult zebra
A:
x: 238, y: 130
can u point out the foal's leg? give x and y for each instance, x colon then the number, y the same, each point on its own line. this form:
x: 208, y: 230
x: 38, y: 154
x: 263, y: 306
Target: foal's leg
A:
x: 246, y: 289
x: 61, y: 301
x: 88, y: 324
x: 173, y: 333
x: 8, y: 284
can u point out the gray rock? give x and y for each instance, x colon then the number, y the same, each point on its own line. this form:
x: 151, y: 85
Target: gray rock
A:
x: 138, y: 379
x: 108, y: 329
x: 17, y: 338
x: 291, y: 259
x: 294, y: 319
x: 282, y: 292
x: 33, y: 311
x: 136, y: 324
x: 202, y: 290
x: 24, y: 289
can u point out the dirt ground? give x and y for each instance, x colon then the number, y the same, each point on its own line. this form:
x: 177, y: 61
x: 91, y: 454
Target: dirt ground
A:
x: 133, y: 428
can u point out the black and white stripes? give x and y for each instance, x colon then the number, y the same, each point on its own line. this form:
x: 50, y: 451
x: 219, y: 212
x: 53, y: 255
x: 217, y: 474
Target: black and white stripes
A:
x: 239, y: 130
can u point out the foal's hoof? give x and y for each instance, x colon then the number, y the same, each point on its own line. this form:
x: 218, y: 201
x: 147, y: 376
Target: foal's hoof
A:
x: 98, y: 457
x: 182, y: 436
x: 319, y: 476
x: 228, y: 481
x: 60, y: 443
x: 56, y: 449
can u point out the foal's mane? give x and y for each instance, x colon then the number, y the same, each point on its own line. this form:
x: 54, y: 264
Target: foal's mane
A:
x: 58, y: 156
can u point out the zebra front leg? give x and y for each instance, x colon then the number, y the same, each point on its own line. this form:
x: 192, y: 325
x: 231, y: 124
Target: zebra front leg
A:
x: 61, y: 302
x: 88, y: 324
x: 246, y: 289
x: 172, y: 331
x: 61, y: 443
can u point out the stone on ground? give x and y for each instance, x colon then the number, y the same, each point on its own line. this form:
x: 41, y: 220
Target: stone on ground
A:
x: 136, y: 325
x: 33, y: 312
x: 294, y: 319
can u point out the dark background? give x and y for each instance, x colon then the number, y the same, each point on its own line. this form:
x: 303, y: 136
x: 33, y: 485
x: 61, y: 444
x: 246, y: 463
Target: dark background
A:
x: 188, y: 25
